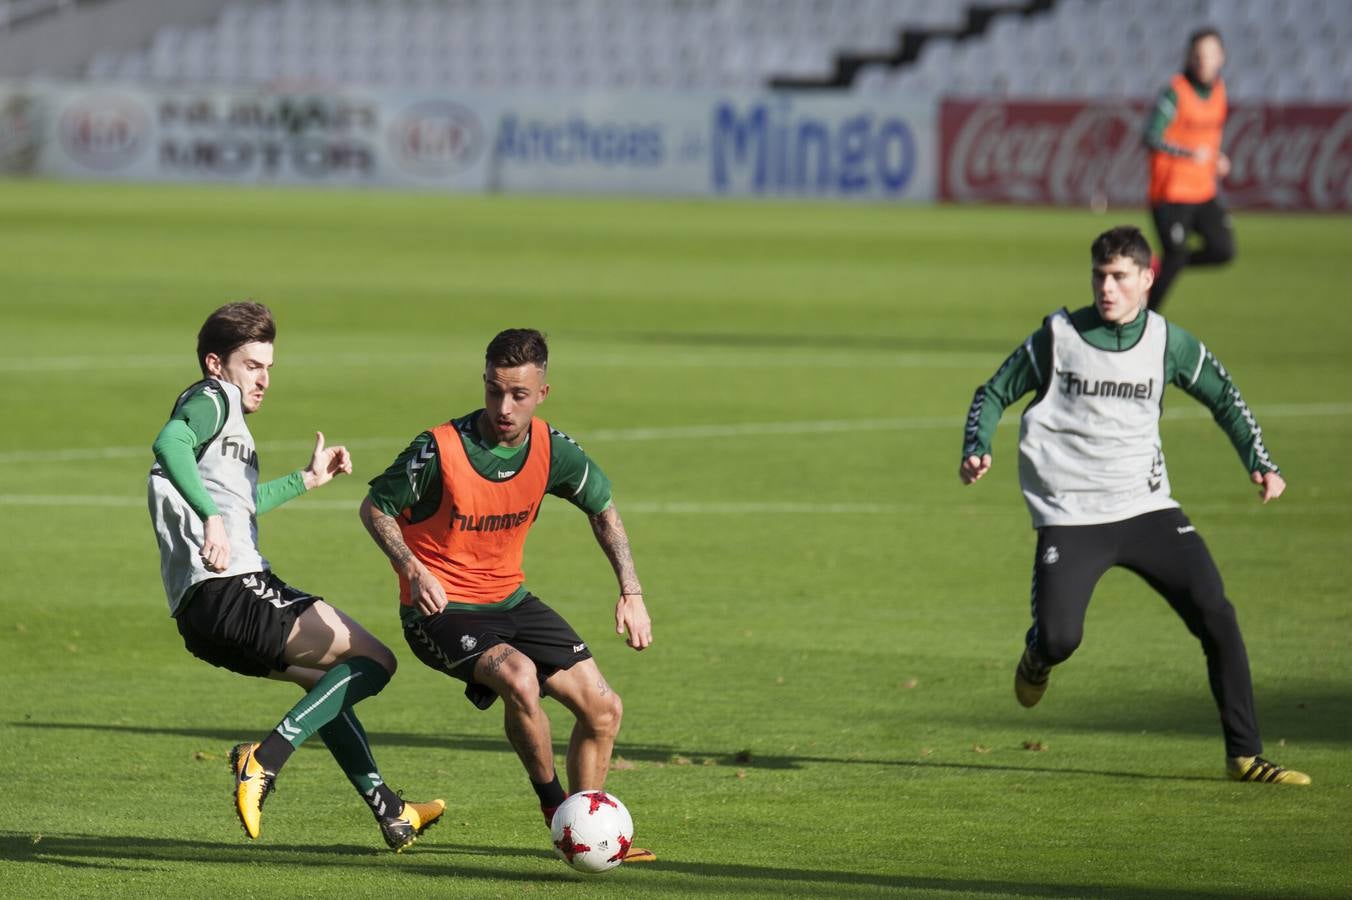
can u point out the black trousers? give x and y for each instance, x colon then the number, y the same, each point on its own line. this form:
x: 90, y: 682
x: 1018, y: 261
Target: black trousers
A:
x: 1174, y: 222
x: 1167, y: 552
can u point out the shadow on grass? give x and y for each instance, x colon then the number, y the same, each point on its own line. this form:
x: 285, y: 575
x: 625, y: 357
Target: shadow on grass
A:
x: 118, y: 853
x: 1314, y: 713
x: 114, y: 852
x: 650, y: 753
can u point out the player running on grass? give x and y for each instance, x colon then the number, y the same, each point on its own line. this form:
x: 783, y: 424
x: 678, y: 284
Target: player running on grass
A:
x: 231, y: 610
x: 1092, y: 472
x: 1183, y: 138
x: 452, y: 513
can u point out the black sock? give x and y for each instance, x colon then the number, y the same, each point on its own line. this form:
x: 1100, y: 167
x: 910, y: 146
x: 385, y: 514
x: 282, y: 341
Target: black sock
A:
x: 550, y: 794
x: 385, y: 803
x: 273, y: 753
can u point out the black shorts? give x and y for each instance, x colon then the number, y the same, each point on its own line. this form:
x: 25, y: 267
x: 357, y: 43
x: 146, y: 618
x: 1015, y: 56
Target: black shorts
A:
x: 241, y: 623
x: 453, y: 640
x: 1175, y: 221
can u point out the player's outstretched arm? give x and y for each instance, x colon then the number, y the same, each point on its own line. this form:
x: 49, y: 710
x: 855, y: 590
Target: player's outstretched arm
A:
x: 428, y: 596
x: 631, y: 615
x: 1197, y: 371
x: 1019, y: 374
x: 1271, y: 485
x: 325, y: 463
x: 974, y: 467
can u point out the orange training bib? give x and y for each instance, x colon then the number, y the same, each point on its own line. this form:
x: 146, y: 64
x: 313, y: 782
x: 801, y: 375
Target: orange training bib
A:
x: 474, y: 542
x: 1197, y: 123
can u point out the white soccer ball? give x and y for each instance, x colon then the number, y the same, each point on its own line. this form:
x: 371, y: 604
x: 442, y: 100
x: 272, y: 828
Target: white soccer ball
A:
x: 592, y: 831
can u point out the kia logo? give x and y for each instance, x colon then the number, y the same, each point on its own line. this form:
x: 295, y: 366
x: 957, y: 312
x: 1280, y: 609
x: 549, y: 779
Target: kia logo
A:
x: 104, y: 131
x: 437, y: 138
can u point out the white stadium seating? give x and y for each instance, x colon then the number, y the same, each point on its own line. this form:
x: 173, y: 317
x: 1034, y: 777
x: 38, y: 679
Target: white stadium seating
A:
x: 1278, y: 49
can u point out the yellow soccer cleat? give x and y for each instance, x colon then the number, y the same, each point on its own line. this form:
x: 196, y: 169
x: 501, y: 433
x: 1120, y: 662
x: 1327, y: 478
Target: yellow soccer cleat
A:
x: 1030, y: 680
x: 638, y: 855
x: 253, y: 783
x: 415, y: 818
x: 1255, y: 768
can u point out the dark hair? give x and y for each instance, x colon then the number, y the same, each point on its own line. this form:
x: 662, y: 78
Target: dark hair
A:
x: 1124, y: 240
x: 1202, y: 34
x: 231, y: 327
x: 517, y: 347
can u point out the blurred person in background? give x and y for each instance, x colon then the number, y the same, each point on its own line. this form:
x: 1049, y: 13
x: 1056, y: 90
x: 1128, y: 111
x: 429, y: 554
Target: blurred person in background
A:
x: 1183, y: 137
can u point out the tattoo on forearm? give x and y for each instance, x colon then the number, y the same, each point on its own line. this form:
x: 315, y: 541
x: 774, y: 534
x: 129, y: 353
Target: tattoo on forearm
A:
x: 610, y: 534
x: 386, y: 532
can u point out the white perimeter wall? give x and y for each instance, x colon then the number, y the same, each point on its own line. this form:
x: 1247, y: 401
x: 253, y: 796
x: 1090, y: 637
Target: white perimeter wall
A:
x: 61, y: 44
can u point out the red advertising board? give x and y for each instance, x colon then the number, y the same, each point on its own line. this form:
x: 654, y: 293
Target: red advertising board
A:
x: 1090, y: 153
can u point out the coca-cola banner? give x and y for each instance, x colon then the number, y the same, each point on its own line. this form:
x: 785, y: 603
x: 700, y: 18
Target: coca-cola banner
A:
x: 1088, y: 153
x: 1289, y: 157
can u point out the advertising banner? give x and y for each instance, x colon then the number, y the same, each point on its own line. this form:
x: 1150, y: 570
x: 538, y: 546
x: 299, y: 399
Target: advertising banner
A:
x: 1290, y: 157
x: 1087, y: 153
x: 263, y: 137
x: 755, y: 144
x: 695, y: 144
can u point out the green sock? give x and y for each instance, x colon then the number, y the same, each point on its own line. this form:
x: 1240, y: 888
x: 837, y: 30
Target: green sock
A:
x: 347, y: 683
x: 346, y: 740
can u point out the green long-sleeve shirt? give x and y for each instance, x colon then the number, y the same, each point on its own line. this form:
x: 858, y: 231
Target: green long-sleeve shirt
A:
x: 411, y: 488
x: 1188, y: 365
x: 193, y: 424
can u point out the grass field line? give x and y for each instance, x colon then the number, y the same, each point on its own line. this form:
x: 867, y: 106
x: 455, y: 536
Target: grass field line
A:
x: 673, y: 507
x: 1305, y: 508
x: 726, y: 358
x: 670, y: 432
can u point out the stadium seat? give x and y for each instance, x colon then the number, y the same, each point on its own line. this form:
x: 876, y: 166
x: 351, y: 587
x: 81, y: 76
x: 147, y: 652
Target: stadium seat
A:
x: 1290, y: 49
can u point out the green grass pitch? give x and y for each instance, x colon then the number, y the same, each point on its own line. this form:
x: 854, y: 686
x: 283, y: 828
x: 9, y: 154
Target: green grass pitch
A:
x: 778, y: 392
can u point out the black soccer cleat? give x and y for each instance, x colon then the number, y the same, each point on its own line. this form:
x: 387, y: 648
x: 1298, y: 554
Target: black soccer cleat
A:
x: 402, y: 830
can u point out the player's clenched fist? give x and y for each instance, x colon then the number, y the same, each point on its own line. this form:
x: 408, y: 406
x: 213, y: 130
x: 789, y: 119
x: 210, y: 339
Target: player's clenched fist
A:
x: 973, y: 467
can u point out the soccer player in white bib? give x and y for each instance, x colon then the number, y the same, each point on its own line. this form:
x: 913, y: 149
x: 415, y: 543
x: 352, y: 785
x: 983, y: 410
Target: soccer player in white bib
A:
x: 1092, y: 472
x: 232, y: 611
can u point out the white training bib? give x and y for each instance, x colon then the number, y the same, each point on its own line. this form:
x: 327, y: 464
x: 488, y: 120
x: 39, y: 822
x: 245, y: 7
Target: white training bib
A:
x: 1089, y: 448
x: 228, y: 466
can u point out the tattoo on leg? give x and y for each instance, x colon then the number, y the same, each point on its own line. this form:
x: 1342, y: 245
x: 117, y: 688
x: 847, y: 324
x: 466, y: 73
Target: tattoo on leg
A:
x: 495, y: 662
x: 602, y: 686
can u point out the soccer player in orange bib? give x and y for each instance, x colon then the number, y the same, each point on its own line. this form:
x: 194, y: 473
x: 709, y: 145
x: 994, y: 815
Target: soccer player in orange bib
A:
x: 1184, y: 139
x: 452, y: 514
